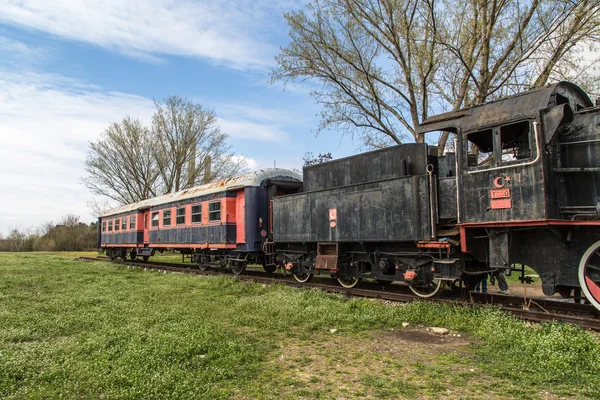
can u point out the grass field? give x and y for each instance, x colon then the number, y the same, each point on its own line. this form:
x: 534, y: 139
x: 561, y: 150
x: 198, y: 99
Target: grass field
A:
x: 89, y: 330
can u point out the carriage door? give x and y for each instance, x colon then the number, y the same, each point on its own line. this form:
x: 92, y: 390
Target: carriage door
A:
x: 146, y: 226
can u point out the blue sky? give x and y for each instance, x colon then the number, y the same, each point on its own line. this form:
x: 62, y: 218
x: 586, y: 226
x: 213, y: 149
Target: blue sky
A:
x: 69, y: 69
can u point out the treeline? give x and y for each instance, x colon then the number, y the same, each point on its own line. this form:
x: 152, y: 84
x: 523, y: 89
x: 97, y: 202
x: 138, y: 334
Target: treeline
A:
x: 68, y: 235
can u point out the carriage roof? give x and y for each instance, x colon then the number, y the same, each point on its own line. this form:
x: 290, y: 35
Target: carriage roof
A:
x: 254, y: 178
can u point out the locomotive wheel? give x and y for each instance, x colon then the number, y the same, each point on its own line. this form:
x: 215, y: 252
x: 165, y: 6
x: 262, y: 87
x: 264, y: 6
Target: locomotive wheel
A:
x: 238, y: 267
x: 589, y: 274
x: 303, y: 277
x: 349, y: 281
x: 434, y: 288
x: 203, y: 267
x: 269, y: 269
x: 146, y: 258
x: 132, y: 256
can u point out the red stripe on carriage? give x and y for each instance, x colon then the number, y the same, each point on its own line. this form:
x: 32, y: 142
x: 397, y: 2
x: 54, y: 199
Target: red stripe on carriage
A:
x: 593, y: 288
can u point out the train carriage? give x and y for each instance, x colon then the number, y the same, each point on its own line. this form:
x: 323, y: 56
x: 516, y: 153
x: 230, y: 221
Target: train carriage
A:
x: 213, y: 222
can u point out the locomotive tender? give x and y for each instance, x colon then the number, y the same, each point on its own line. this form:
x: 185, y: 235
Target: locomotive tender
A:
x: 522, y: 187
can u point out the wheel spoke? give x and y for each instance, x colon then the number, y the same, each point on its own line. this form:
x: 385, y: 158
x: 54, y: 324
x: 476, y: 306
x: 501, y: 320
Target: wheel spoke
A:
x: 593, y: 267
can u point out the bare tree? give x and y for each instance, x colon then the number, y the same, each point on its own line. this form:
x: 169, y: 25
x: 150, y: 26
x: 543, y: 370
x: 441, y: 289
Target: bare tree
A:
x: 384, y: 65
x: 310, y: 159
x: 185, y: 147
x: 190, y: 147
x: 121, y: 164
x: 15, y: 241
x: 500, y: 47
x: 98, y: 205
x: 375, y: 62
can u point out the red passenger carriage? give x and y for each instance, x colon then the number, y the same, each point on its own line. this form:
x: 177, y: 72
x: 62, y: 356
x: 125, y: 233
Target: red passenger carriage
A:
x: 215, y: 222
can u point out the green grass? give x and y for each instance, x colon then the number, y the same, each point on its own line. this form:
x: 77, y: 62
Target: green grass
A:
x: 514, y: 277
x: 73, y: 329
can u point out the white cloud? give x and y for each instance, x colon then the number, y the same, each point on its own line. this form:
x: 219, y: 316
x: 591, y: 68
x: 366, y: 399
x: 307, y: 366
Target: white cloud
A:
x: 229, y: 32
x: 249, y: 130
x: 251, y: 163
x: 14, y: 51
x: 46, y: 123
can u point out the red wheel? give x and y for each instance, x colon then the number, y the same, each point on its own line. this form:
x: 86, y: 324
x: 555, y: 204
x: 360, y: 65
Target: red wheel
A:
x: 589, y: 274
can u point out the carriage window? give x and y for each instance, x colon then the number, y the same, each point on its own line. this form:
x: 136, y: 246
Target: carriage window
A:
x: 110, y: 225
x: 214, y: 211
x: 480, y: 150
x: 155, y: 219
x: 180, y: 216
x: 197, y: 213
x: 167, y: 218
x: 124, y: 224
x: 117, y: 224
x: 103, y: 226
x: 132, y: 222
x: 515, y: 141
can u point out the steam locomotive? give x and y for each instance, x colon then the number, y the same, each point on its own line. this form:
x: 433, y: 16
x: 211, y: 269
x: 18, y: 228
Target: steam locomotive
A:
x: 520, y: 187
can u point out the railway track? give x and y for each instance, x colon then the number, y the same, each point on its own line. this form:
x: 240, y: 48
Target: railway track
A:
x: 531, y: 309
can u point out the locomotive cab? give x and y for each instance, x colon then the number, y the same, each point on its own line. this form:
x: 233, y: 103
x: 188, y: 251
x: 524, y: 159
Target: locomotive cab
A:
x: 528, y: 183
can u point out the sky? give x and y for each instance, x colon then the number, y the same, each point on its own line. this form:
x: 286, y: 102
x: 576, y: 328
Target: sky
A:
x: 70, y: 68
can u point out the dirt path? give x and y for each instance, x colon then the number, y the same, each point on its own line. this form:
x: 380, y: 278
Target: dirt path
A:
x: 408, y: 363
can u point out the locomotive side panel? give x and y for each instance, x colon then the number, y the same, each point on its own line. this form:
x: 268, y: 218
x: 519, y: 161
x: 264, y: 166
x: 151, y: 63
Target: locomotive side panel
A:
x: 447, y: 199
x: 389, y: 163
x: 577, y: 168
x: 292, y: 219
x: 390, y: 210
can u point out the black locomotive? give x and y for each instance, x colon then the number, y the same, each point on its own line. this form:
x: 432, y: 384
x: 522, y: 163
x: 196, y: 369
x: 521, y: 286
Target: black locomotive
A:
x: 522, y: 187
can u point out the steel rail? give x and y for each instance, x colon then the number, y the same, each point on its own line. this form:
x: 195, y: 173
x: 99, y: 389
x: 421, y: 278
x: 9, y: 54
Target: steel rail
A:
x: 518, y: 306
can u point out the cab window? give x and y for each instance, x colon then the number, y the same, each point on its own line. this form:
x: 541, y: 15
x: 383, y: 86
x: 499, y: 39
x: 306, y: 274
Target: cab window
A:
x: 505, y: 144
x: 480, y: 148
x: 514, y: 139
